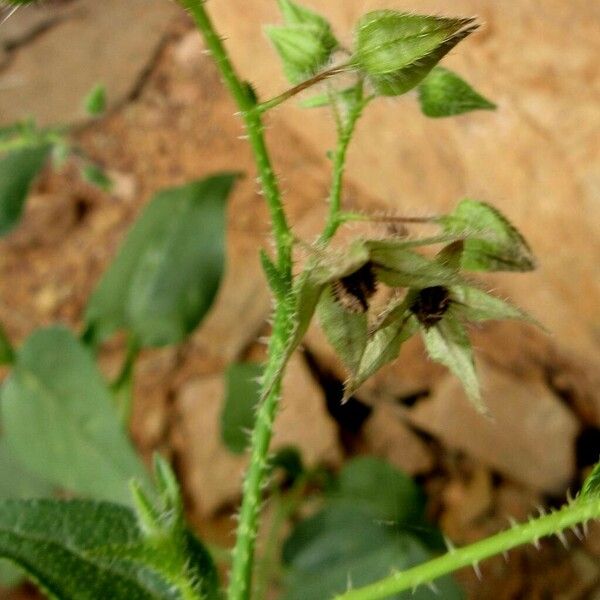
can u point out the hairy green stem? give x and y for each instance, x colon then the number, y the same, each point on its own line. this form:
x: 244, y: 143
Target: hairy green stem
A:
x: 345, y: 134
x: 555, y: 523
x: 122, y: 386
x: 243, y: 556
x: 304, y: 85
x: 246, y: 101
x: 240, y: 583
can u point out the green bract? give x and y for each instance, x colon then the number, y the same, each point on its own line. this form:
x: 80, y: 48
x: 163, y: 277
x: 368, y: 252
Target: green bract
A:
x: 397, y: 50
x: 305, y: 43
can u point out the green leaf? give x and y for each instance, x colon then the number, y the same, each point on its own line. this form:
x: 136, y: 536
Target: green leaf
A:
x: 17, y: 171
x: 492, y: 243
x: 241, y: 397
x: 399, y: 267
x: 389, y: 493
x: 345, y: 330
x: 169, y: 268
x: 444, y: 94
x: 591, y: 486
x: 60, y: 421
x: 95, y: 101
x: 448, y: 343
x: 63, y: 547
x: 7, y: 353
x: 17, y: 482
x: 97, y: 176
x: 50, y: 540
x: 372, y: 523
x: 305, y: 43
x: 397, y: 50
x: 473, y: 304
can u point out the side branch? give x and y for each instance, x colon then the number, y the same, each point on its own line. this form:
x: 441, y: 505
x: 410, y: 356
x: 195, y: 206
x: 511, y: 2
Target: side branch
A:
x: 553, y: 524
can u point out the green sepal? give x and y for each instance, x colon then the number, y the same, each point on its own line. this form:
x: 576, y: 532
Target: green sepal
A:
x: 475, y: 305
x: 397, y: 50
x: 444, y: 94
x: 345, y: 330
x: 383, y: 347
x: 492, y: 242
x: 305, y: 43
x: 448, y: 343
x: 399, y: 267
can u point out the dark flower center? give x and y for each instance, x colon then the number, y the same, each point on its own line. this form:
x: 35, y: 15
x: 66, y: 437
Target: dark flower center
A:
x: 354, y: 291
x: 431, y: 304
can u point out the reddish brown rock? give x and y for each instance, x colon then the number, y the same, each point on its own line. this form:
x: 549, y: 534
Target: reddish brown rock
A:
x: 212, y: 475
x: 530, y: 436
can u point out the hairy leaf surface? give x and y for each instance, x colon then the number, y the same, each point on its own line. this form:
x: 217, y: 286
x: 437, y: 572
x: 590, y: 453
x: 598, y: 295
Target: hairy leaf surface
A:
x: 448, y: 344
x: 83, y: 550
x: 345, y: 330
x: 397, y: 50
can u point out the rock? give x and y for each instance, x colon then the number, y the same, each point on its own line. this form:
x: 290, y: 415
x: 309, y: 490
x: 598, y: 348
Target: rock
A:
x: 109, y: 42
x: 466, y: 503
x: 212, y: 475
x: 385, y: 435
x: 516, y: 502
x: 530, y: 436
x: 243, y: 303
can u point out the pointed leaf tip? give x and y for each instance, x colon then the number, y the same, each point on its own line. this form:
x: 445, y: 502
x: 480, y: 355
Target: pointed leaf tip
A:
x: 397, y: 50
x: 443, y: 94
x: 492, y: 242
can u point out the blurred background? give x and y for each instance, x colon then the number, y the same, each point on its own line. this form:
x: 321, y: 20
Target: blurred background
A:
x: 169, y: 121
